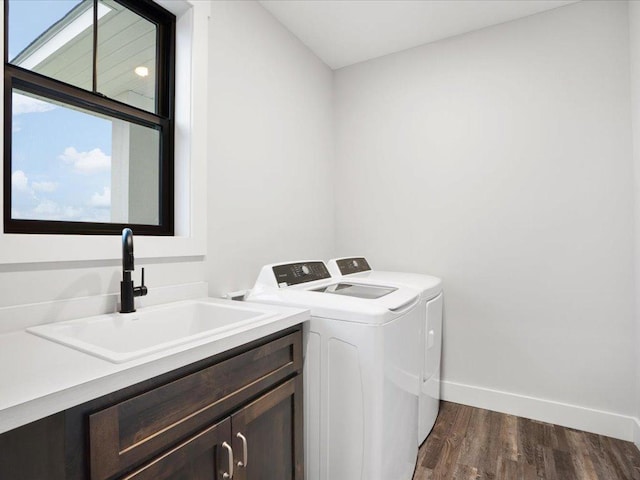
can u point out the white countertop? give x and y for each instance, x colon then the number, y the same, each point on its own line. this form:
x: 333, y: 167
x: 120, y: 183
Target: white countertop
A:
x: 39, y: 377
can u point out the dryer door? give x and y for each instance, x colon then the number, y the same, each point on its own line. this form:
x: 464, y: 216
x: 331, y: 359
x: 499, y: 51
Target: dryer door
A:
x: 430, y: 384
x: 433, y: 338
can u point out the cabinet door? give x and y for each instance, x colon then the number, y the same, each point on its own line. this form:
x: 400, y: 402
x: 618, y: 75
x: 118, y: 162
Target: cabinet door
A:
x: 205, y: 456
x: 269, y: 432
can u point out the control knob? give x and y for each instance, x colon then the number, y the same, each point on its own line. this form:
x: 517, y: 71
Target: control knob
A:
x: 305, y: 270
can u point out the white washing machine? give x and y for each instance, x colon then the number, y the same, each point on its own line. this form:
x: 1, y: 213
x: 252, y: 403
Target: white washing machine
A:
x: 431, y: 301
x: 361, y: 371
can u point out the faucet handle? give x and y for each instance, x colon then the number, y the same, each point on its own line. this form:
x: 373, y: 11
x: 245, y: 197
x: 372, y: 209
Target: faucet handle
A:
x: 140, y: 291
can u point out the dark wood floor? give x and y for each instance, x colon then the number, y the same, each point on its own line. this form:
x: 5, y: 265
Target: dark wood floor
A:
x: 470, y: 443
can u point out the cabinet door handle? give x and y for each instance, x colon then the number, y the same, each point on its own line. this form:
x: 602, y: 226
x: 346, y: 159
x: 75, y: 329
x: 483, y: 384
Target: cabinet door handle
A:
x: 245, y: 451
x: 229, y: 474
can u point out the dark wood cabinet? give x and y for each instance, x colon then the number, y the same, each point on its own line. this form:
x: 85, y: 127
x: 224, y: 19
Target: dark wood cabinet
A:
x: 256, y: 443
x: 34, y: 451
x: 265, y: 432
x: 240, y: 409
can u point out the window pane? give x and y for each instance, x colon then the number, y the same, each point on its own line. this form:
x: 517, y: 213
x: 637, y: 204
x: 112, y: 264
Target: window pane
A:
x: 127, y: 58
x: 72, y: 165
x: 54, y: 38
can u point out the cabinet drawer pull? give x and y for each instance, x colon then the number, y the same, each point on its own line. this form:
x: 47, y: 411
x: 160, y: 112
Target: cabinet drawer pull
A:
x: 229, y: 474
x: 245, y: 451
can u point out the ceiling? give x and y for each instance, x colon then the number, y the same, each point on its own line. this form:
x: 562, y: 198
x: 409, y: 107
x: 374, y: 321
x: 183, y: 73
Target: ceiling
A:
x: 344, y: 32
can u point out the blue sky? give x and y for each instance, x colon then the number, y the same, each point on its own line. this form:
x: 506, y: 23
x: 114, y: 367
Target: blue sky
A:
x: 61, y: 158
x: 29, y: 18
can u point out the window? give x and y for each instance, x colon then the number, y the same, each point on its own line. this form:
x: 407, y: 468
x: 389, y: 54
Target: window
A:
x: 89, y: 117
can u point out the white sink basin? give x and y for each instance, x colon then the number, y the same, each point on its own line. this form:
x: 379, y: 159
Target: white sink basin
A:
x: 122, y: 337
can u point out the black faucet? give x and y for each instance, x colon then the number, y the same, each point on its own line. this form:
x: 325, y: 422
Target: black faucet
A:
x: 127, y: 291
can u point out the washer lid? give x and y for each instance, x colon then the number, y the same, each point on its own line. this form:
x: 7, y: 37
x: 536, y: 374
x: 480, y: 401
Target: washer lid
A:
x: 375, y: 311
x: 360, y: 271
x: 356, y: 290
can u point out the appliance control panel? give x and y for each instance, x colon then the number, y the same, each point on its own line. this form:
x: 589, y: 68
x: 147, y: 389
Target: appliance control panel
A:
x: 353, y: 265
x: 296, y: 273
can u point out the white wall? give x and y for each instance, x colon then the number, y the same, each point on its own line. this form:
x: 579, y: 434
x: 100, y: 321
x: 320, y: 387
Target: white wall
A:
x: 270, y: 148
x: 634, y: 30
x: 500, y: 161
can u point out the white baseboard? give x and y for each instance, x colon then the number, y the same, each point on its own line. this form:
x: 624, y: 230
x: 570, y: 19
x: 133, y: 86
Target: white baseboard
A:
x: 572, y: 416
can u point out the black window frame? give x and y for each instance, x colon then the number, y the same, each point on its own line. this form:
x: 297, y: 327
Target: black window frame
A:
x: 92, y: 101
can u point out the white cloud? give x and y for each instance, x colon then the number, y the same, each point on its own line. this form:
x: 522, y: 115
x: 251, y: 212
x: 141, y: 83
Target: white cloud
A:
x: 44, y: 186
x: 47, y: 209
x: 101, y: 200
x: 50, y: 210
x: 86, y: 162
x: 23, y: 104
x: 72, y: 213
x: 19, y: 181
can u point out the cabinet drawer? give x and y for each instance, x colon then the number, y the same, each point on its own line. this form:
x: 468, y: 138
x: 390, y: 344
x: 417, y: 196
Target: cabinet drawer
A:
x: 136, y: 429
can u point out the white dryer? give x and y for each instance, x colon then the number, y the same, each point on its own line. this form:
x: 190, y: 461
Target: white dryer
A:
x: 431, y: 302
x: 361, y: 371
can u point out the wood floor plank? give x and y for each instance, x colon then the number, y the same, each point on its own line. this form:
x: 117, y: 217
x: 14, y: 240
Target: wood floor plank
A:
x: 488, y: 463
x: 633, y: 456
x: 598, y: 458
x: 583, y: 467
x: 433, y: 446
x: 576, y: 441
x: 582, y: 463
x: 560, y: 439
x: 451, y: 449
x: 526, y: 472
x: 629, y: 454
x: 465, y: 472
x: 509, y: 438
x: 526, y: 440
x: 550, y: 472
x: 472, y: 444
x: 619, y: 461
x: 602, y: 468
x: 564, y: 465
x: 539, y: 461
x: 422, y: 473
x: 507, y: 468
x: 549, y: 437
x: 632, y: 453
